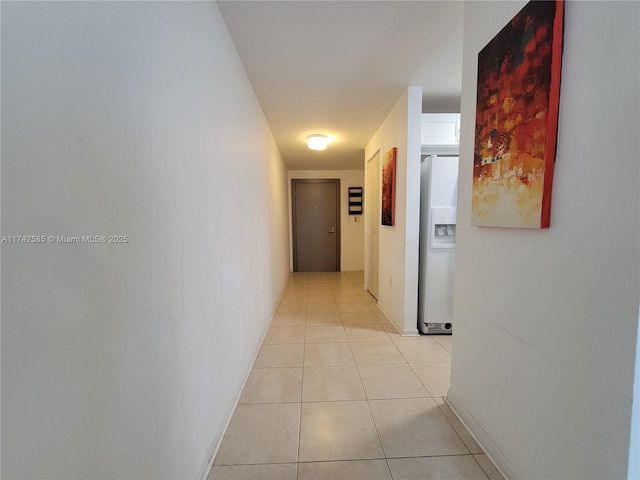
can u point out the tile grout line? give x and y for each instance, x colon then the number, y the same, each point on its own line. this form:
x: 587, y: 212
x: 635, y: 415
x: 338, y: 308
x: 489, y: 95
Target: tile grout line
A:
x: 423, y: 384
x: 375, y: 425
x: 454, y: 429
x: 304, y: 347
x: 480, y: 465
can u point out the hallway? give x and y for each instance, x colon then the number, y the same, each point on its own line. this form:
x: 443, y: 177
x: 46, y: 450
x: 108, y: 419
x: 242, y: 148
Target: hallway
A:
x: 336, y: 393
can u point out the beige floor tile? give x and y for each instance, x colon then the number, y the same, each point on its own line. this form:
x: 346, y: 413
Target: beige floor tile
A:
x: 328, y: 324
x: 322, y: 308
x: 397, y: 337
x: 298, y: 275
x: 321, y: 299
x: 391, y: 329
x: 327, y: 384
x: 376, y: 353
x: 366, y: 333
x: 444, y: 340
x: 347, y: 298
x: 273, y: 385
x: 457, y: 425
x: 280, y: 355
x: 350, y: 470
x: 289, y: 320
x: 372, y: 304
x: 316, y: 290
x: 367, y: 297
x: 318, y: 276
x: 423, y: 351
x: 354, y: 307
x: 298, y: 278
x: 391, y: 381
x: 295, y: 291
x: 338, y: 431
x: 282, y: 308
x: 283, y: 471
x: 459, y: 467
x: 489, y: 468
x: 356, y: 275
x: 327, y: 354
x: 414, y: 427
x: 336, y: 275
x: 319, y: 319
x: 435, y: 376
x: 344, y: 289
x: 244, y: 441
x: 293, y: 299
x: 284, y: 335
x: 359, y: 318
x: 325, y: 334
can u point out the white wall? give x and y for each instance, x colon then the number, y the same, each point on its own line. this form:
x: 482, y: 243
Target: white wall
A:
x: 131, y: 118
x: 351, y: 232
x: 546, y: 320
x: 398, y: 265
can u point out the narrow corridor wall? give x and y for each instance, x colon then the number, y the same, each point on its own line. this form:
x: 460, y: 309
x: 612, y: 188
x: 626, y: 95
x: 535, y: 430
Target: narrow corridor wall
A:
x: 134, y: 120
x: 546, y: 320
x: 398, y: 264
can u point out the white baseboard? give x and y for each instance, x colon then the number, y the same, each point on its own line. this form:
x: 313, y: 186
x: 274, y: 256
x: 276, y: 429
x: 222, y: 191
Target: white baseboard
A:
x: 212, y: 451
x: 413, y: 332
x: 480, y: 435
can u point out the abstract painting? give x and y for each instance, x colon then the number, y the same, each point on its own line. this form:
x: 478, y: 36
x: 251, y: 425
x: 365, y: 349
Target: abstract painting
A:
x: 517, y: 119
x: 389, y: 188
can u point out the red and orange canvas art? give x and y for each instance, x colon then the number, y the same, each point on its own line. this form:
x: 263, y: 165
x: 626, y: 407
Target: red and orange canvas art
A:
x: 517, y: 118
x: 389, y: 188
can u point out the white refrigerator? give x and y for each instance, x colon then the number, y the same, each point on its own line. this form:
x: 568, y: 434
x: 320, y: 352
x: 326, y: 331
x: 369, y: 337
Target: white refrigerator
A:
x: 438, y: 201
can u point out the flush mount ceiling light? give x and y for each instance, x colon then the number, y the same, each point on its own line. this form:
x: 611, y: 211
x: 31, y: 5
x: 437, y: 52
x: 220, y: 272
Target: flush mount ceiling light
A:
x: 317, y: 141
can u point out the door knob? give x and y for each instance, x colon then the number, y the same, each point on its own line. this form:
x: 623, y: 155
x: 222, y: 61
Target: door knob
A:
x: 332, y: 230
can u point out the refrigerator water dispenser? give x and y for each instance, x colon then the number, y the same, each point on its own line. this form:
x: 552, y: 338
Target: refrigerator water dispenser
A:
x: 443, y: 227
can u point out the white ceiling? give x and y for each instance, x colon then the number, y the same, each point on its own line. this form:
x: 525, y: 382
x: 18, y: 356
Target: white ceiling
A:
x: 338, y: 67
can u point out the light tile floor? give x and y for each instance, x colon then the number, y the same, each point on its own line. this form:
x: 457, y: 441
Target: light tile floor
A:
x: 337, y: 394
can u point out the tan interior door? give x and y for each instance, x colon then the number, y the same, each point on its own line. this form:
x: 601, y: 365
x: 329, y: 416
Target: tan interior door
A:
x: 316, y: 225
x: 373, y: 207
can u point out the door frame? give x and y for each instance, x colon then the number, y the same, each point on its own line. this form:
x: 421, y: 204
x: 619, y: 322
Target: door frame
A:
x: 370, y: 194
x: 294, y: 226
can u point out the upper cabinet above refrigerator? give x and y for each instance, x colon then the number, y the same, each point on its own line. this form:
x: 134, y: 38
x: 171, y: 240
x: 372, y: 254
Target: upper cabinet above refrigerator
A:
x: 440, y: 133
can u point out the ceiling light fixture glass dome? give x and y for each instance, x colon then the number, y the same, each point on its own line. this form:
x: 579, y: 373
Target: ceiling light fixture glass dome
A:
x: 317, y: 141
